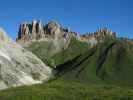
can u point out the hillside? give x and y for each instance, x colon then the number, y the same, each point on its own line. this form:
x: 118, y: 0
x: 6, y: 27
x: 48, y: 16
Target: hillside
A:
x: 110, y: 62
x: 45, y: 51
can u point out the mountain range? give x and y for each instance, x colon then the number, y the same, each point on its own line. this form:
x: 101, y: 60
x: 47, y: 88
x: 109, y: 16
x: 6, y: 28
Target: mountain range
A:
x: 92, y: 66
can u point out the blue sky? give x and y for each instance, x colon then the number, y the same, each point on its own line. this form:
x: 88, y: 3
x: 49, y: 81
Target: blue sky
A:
x: 79, y: 15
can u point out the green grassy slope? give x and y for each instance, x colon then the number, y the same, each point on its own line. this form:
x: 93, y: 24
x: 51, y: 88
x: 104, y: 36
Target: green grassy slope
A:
x: 110, y: 62
x: 62, y: 90
x: 45, y: 51
x: 74, y: 49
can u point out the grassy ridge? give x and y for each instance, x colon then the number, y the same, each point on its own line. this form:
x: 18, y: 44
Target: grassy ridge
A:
x: 110, y: 62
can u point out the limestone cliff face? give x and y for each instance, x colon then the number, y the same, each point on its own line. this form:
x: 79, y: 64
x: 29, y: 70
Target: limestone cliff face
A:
x: 29, y: 32
x: 38, y: 31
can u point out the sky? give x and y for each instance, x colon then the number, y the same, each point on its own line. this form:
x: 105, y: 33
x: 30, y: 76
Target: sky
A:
x: 81, y: 16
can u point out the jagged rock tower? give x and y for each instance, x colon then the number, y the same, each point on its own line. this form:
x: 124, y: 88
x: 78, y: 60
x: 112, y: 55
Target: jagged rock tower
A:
x: 38, y: 31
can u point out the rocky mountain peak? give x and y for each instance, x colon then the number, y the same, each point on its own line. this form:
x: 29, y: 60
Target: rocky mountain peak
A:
x: 39, y: 31
x: 95, y: 37
x: 30, y: 31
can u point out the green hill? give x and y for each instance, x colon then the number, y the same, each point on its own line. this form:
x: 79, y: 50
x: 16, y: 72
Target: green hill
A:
x: 110, y: 62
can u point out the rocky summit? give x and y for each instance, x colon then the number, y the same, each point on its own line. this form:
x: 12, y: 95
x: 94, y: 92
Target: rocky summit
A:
x: 19, y: 66
x: 98, y: 36
x: 38, y: 31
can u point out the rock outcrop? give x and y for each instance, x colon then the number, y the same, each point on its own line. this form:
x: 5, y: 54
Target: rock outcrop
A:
x: 19, y: 66
x: 38, y: 31
x: 97, y: 37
